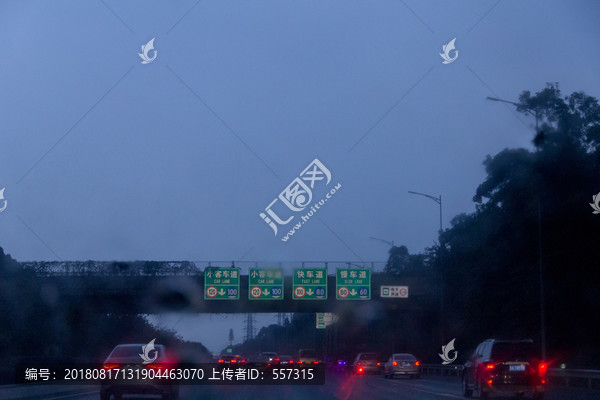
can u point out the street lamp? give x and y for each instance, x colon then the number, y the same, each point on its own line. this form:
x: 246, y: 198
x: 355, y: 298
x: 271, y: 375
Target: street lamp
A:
x: 383, y: 240
x: 530, y: 111
x: 439, y: 201
x: 535, y: 113
x: 436, y: 199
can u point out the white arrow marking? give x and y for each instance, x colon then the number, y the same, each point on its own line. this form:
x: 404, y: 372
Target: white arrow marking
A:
x: 353, y: 292
x: 266, y: 292
x: 221, y: 292
x: 309, y: 292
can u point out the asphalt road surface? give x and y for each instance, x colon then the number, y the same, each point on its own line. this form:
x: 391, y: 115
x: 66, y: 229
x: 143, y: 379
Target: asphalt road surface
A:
x: 336, y: 388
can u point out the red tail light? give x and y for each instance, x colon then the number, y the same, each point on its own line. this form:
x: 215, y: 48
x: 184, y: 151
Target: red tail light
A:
x: 233, y: 361
x: 276, y: 360
x: 155, y: 366
x: 378, y: 364
x: 489, y: 366
x: 221, y: 361
x: 542, y: 369
x: 315, y: 362
x: 110, y: 365
x: 395, y: 363
x: 291, y: 361
x: 360, y: 370
x: 417, y: 363
x: 489, y: 382
x: 359, y: 363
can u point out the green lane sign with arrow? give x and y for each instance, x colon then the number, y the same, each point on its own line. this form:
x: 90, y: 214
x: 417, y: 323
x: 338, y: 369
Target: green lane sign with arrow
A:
x: 221, y: 283
x: 353, y: 284
x: 265, y: 284
x: 310, y: 284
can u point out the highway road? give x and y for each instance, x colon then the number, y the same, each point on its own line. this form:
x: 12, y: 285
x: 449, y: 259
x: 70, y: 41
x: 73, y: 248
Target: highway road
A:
x: 336, y: 388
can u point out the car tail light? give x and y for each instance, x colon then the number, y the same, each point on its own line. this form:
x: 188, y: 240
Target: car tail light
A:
x: 291, y: 361
x: 360, y: 370
x: 315, y: 362
x: 233, y: 361
x: 276, y: 360
x: 110, y: 365
x: 359, y: 363
x: 417, y: 363
x: 489, y: 382
x: 221, y: 360
x: 395, y: 363
x: 300, y: 362
x: 489, y: 366
x: 543, y: 380
x: 542, y: 369
x: 378, y: 364
x: 155, y: 366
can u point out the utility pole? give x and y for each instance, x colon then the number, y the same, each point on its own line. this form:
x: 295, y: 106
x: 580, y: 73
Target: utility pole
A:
x: 442, y: 319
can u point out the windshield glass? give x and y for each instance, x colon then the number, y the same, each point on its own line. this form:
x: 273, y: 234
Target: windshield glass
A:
x: 350, y: 183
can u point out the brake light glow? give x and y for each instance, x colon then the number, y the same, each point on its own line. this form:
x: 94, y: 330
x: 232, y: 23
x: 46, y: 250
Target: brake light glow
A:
x: 110, y: 365
x: 221, y: 360
x: 395, y: 363
x: 315, y: 362
x: 542, y: 369
x: 417, y: 363
x: 234, y: 361
x: 291, y: 361
x: 360, y: 370
x: 489, y: 382
x: 378, y: 364
x: 155, y: 366
x: 359, y: 363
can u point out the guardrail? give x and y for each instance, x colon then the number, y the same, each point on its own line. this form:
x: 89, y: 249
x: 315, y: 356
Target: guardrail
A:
x: 558, y: 376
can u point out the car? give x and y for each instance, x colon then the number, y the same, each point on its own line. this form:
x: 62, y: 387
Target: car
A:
x: 285, y: 359
x: 402, y: 364
x: 307, y: 356
x: 366, y: 363
x: 229, y: 359
x: 128, y: 356
x: 505, y: 367
x: 272, y: 357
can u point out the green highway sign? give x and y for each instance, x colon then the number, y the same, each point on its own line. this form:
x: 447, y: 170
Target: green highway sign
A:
x: 265, y: 284
x: 221, y: 283
x: 353, y: 284
x: 310, y: 284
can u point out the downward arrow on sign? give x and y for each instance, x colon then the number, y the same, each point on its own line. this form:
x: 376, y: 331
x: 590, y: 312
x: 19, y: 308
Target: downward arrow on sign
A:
x: 221, y: 292
x: 309, y: 292
x: 353, y: 292
x: 266, y: 292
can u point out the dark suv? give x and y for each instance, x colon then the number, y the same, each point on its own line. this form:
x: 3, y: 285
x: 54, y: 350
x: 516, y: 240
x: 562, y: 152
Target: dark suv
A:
x: 505, y: 367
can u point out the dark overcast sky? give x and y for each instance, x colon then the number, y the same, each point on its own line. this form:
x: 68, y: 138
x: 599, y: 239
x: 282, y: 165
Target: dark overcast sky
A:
x: 104, y: 158
x: 128, y: 163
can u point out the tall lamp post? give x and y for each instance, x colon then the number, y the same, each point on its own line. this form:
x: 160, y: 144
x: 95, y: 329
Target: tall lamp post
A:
x: 439, y: 201
x: 391, y: 243
x: 535, y: 113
